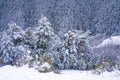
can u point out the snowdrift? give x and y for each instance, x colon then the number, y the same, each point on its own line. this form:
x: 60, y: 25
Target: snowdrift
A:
x: 114, y: 40
x: 24, y: 73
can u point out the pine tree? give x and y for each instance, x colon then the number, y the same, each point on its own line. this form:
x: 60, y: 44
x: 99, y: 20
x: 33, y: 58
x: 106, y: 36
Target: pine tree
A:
x: 47, y: 44
x: 13, y: 50
x: 77, y: 52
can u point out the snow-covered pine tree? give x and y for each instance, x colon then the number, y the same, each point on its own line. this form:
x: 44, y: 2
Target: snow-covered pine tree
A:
x: 6, y: 46
x: 47, y: 44
x: 13, y: 50
x: 76, y: 51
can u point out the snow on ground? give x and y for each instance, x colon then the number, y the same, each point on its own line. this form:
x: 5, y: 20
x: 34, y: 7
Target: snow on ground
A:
x: 14, y: 73
x: 114, y: 40
x: 25, y: 73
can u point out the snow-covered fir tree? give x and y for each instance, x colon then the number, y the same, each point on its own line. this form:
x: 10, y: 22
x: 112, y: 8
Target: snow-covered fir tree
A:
x: 77, y: 52
x: 13, y: 50
x: 46, y: 45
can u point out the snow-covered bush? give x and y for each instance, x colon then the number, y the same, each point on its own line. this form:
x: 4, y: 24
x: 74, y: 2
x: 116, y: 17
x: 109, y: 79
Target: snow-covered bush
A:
x: 45, y: 67
x: 108, y: 54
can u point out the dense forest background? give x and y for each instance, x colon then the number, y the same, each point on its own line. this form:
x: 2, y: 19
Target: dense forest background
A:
x: 98, y: 16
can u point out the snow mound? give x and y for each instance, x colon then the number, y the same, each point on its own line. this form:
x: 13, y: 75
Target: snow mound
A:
x: 22, y: 73
x: 45, y: 65
x: 25, y: 73
x: 114, y: 40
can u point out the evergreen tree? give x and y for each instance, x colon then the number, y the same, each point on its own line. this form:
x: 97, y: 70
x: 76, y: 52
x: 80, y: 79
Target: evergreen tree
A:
x: 47, y: 44
x: 13, y: 50
x: 77, y: 52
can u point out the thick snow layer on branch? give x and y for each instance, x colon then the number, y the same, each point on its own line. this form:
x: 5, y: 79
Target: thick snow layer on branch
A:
x: 25, y: 73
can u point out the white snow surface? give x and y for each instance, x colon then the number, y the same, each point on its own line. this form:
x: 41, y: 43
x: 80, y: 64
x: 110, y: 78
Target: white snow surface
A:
x: 114, y: 40
x: 24, y: 73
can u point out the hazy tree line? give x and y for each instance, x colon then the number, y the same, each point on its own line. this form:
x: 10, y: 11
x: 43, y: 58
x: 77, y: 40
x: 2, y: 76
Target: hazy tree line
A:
x: 99, y: 16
